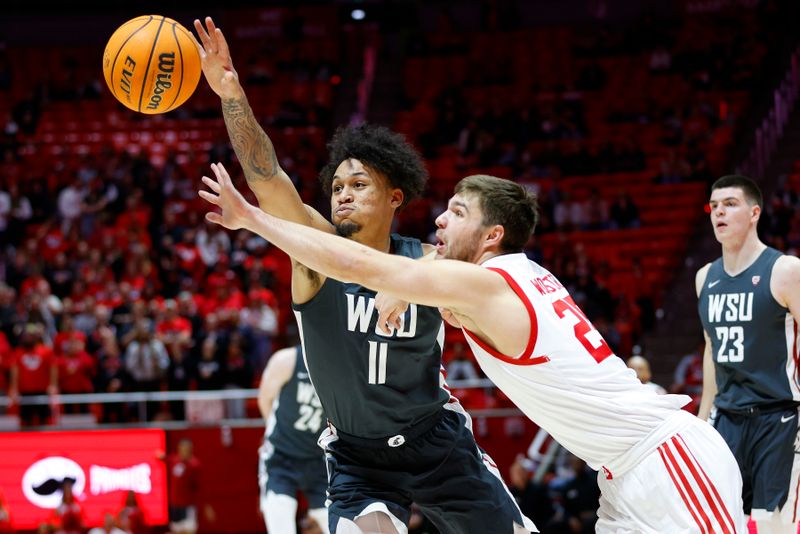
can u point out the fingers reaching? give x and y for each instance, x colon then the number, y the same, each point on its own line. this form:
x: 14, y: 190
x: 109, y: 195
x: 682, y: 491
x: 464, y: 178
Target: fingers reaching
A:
x: 214, y: 186
x: 211, y: 37
x: 199, y: 46
x: 223, y: 177
x: 201, y: 32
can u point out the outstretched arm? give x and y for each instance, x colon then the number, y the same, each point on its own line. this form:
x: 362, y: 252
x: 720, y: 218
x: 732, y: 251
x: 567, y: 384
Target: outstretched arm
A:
x: 444, y: 283
x: 274, y: 190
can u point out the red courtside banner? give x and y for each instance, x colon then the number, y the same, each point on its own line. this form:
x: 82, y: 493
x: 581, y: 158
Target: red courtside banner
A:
x: 103, y: 465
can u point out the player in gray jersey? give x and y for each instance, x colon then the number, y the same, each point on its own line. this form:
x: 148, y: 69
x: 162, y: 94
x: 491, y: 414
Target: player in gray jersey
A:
x: 290, y: 459
x: 395, y: 435
x: 749, y: 304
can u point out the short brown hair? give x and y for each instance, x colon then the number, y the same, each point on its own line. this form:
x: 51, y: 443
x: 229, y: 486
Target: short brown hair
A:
x: 751, y: 191
x: 505, y: 203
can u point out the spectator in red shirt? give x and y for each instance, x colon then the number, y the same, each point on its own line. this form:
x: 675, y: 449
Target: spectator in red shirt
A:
x: 184, y: 485
x: 66, y: 334
x: 76, y: 370
x: 131, y: 517
x: 189, y: 258
x: 34, y: 371
x: 5, y: 516
x: 68, y: 515
x: 174, y: 331
x: 5, y: 362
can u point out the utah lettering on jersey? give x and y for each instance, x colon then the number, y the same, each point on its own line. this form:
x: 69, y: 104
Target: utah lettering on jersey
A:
x: 360, y: 310
x: 730, y: 307
x: 547, y: 284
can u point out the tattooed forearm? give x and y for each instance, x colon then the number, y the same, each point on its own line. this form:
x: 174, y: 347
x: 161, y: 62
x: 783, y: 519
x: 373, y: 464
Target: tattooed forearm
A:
x: 251, y: 144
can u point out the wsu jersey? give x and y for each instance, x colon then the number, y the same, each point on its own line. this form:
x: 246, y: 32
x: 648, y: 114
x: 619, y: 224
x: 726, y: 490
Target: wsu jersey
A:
x: 297, y: 419
x: 754, y: 340
x: 372, y: 385
x: 568, y: 381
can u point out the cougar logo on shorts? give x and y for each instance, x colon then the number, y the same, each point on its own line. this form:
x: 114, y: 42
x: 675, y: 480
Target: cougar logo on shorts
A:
x: 43, y: 480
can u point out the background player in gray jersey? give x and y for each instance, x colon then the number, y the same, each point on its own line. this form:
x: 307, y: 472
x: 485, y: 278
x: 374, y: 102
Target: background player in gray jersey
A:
x: 396, y: 436
x: 290, y: 459
x: 749, y: 303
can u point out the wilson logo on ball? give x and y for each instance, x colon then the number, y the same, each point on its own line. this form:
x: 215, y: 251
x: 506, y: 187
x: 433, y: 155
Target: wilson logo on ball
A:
x: 166, y: 64
x: 151, y: 64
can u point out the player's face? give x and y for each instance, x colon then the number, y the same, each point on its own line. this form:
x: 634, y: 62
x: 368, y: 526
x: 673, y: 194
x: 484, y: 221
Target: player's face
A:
x: 358, y: 195
x: 460, y: 229
x: 732, y: 217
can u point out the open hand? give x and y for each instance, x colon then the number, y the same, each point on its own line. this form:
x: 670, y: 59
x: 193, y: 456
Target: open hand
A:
x: 216, y: 60
x: 235, y: 209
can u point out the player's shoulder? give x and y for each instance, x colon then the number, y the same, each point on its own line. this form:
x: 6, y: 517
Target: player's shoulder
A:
x: 281, y: 361
x: 787, y: 265
x: 785, y: 276
x: 700, y: 277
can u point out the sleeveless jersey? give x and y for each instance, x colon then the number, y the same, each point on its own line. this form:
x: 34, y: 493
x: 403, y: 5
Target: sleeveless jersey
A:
x: 568, y: 381
x: 296, y: 419
x: 754, y: 339
x: 372, y: 385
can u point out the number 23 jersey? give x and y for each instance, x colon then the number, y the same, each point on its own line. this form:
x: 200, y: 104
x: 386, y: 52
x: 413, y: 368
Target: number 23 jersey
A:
x: 568, y: 380
x: 754, y: 340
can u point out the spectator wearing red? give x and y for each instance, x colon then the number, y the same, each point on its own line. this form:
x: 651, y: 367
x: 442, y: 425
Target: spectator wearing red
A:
x: 68, y: 515
x: 184, y: 486
x: 189, y: 258
x: 174, y: 331
x: 5, y: 363
x: 136, y: 213
x: 225, y: 300
x: 66, y: 334
x: 131, y: 518
x: 34, y: 371
x: 76, y: 371
x: 51, y: 241
x: 5, y: 516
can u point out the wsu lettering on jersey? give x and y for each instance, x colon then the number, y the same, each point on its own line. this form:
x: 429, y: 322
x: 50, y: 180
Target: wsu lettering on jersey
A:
x: 359, y: 315
x: 730, y: 307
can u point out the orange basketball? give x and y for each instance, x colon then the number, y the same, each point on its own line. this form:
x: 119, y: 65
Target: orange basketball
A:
x: 151, y: 64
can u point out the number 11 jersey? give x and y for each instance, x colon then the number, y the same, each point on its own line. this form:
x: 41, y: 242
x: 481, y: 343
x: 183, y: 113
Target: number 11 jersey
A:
x: 568, y: 380
x: 372, y: 385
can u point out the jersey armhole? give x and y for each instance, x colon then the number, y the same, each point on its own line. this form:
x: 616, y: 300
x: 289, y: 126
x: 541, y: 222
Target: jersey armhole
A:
x: 526, y: 358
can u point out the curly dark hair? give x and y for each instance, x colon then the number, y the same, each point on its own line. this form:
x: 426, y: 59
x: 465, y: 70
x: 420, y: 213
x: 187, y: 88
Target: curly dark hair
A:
x: 382, y: 150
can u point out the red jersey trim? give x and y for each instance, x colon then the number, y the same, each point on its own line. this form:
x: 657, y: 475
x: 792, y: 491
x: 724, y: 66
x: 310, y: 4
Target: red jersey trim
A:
x: 527, y: 357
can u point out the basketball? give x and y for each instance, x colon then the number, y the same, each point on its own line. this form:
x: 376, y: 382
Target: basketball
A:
x: 151, y: 64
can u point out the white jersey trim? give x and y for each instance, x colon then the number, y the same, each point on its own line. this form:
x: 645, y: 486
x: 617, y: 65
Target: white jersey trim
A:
x: 793, y: 356
x: 527, y: 357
